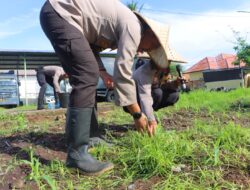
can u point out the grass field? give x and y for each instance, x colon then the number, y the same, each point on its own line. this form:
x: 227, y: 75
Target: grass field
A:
x: 203, y: 142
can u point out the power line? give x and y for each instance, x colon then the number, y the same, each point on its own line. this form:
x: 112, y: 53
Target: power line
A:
x: 195, y: 14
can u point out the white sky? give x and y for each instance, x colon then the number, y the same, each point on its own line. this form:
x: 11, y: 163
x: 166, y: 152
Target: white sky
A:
x: 205, y: 34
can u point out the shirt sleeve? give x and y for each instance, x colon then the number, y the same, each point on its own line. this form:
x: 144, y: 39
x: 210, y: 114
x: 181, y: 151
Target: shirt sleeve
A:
x: 129, y: 39
x: 146, y: 100
x: 143, y: 77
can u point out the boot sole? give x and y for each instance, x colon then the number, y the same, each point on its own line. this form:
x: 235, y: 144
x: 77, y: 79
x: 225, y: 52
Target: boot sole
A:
x: 75, y: 170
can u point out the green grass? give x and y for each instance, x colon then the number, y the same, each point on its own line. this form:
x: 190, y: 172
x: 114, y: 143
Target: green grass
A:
x: 205, y: 151
x: 214, y: 101
x: 19, y: 108
x: 10, y: 124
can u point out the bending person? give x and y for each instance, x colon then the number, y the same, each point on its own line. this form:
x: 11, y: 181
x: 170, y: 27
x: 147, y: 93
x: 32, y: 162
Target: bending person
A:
x: 154, y: 91
x: 78, y: 31
x: 51, y: 75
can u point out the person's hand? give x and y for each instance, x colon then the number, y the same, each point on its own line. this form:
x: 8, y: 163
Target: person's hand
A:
x: 152, y: 125
x: 141, y: 124
x: 107, y: 79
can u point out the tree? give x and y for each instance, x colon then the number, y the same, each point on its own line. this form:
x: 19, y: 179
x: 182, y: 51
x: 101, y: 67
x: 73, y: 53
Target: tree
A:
x: 134, y: 6
x: 172, y: 68
x: 242, y: 49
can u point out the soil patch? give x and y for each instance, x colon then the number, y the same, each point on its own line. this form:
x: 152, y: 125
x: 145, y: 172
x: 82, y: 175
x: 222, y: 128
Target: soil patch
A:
x: 237, y: 176
x: 43, y: 116
x: 17, y: 179
x: 142, y: 184
x: 51, y: 145
x: 184, y: 119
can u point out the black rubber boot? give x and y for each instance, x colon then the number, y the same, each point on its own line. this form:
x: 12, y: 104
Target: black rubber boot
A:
x: 96, y: 136
x: 94, y: 127
x: 77, y: 132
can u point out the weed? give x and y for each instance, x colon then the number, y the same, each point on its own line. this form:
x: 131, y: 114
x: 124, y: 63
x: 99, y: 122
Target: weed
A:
x: 10, y: 123
x: 37, y: 173
x: 214, y: 145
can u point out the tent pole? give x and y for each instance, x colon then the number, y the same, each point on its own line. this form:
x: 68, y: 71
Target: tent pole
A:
x: 18, y: 83
x: 25, y: 79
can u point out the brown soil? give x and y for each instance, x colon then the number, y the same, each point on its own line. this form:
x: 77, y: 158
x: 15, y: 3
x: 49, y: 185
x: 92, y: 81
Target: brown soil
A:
x: 143, y: 184
x: 184, y: 119
x: 50, y: 145
x: 237, y: 176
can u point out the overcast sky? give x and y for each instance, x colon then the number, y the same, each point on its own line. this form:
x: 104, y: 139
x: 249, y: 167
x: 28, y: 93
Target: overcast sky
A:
x: 198, y: 28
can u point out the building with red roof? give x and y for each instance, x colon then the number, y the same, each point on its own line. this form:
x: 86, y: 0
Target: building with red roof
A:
x: 220, y: 62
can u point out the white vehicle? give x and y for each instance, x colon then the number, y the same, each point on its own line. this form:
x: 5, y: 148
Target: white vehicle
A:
x: 101, y: 89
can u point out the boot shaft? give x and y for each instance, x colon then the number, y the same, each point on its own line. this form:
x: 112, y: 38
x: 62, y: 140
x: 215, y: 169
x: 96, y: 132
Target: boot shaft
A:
x: 78, y: 126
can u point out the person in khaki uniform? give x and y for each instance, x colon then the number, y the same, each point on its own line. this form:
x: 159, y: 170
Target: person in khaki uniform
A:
x: 78, y: 31
x: 51, y: 75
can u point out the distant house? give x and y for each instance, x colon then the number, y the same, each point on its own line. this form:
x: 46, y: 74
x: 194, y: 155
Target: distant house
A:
x: 209, y: 64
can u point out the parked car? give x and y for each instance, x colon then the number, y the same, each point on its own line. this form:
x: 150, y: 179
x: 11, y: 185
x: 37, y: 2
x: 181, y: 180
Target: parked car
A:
x: 101, y: 89
x: 108, y: 62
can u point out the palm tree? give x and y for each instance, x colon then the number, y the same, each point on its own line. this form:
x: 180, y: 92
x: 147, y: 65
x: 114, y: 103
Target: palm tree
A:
x: 134, y: 6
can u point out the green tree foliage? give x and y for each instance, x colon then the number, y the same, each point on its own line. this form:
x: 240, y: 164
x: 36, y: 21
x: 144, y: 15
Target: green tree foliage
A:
x: 134, y: 6
x: 173, y: 70
x: 242, y: 49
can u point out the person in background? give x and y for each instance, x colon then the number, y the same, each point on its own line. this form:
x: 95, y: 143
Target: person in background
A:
x: 78, y: 30
x: 51, y: 75
x: 155, y: 90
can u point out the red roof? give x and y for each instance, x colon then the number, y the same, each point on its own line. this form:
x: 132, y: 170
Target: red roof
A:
x: 221, y: 61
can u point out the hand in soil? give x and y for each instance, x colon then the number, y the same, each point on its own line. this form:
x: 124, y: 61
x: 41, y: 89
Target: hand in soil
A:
x: 152, y: 127
x: 141, y: 124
